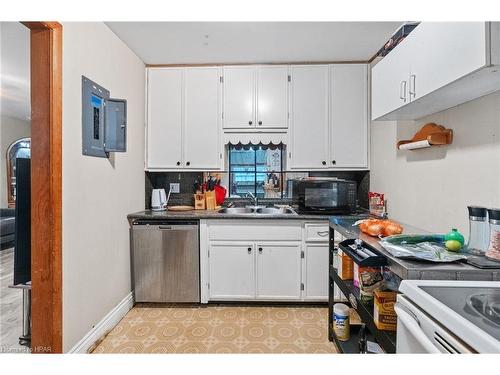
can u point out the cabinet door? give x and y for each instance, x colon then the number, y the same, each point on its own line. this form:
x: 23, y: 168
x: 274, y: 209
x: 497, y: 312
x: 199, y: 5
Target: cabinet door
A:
x: 278, y: 270
x: 232, y: 271
x: 442, y: 52
x: 316, y: 271
x: 202, y: 118
x: 349, y: 117
x: 309, y: 117
x: 272, y: 97
x: 164, y: 134
x: 390, y: 81
x: 239, y: 97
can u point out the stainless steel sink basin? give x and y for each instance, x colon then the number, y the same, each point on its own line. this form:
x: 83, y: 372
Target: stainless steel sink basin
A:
x: 275, y: 211
x: 256, y: 211
x: 237, y: 211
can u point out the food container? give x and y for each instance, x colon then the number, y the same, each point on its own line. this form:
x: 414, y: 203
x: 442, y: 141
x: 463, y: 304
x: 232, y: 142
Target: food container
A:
x: 345, y: 265
x: 478, y: 230
x: 370, y: 279
x: 384, y: 316
x: 493, y: 252
x: 341, y: 324
x: 355, y: 275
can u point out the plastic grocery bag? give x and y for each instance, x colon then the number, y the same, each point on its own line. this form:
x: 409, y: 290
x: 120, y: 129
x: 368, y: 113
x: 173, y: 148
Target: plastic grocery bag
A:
x: 424, y: 247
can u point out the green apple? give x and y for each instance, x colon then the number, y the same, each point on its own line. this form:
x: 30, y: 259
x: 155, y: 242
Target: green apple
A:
x: 453, y: 245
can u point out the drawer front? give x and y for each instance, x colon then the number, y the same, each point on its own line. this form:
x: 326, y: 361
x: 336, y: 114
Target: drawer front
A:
x: 317, y: 232
x: 263, y: 231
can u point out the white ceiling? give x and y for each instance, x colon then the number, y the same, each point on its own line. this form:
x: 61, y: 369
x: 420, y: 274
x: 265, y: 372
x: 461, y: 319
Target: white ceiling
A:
x: 253, y: 42
x: 15, y: 70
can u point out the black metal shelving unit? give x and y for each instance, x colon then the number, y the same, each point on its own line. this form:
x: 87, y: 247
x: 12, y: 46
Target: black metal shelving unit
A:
x: 386, y: 339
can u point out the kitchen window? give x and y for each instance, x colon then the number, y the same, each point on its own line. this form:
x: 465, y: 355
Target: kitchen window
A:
x: 256, y: 169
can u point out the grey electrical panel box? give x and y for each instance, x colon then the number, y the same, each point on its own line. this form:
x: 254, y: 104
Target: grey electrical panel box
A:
x: 104, y: 121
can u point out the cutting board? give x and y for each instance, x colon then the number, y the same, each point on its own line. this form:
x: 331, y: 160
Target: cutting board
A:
x: 180, y: 208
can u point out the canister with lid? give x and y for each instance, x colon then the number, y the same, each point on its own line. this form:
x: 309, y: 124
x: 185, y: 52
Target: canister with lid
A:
x: 341, y: 324
x: 479, y: 230
x: 493, y: 252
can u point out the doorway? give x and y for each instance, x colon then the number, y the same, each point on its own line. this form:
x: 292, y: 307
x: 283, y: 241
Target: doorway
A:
x: 46, y: 185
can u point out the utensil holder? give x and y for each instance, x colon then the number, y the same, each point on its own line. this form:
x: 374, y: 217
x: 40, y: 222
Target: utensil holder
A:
x: 210, y: 201
x: 199, y: 201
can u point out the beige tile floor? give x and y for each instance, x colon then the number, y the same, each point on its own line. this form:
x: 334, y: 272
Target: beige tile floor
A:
x: 220, y: 329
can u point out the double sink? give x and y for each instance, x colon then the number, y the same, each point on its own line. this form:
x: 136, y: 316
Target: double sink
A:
x: 257, y: 210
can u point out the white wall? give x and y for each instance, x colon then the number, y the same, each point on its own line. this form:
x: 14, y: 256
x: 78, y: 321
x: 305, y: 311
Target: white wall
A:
x: 11, y: 129
x: 431, y: 188
x: 98, y: 193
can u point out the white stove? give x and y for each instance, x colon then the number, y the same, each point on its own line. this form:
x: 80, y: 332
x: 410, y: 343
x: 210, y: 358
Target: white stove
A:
x: 448, y: 317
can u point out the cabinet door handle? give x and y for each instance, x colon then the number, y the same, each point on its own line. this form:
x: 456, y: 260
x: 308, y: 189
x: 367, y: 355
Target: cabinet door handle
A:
x: 260, y: 250
x: 402, y: 91
x: 334, y: 162
x: 250, y: 122
x: 412, y: 90
x: 188, y: 163
x: 178, y: 163
x: 323, y: 233
x: 260, y: 122
x: 249, y: 250
x: 323, y: 162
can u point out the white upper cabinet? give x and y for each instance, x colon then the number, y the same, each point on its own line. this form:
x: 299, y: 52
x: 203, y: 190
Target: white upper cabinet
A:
x: 164, y: 135
x: 309, y: 119
x: 349, y: 116
x: 272, y: 97
x: 329, y: 116
x: 390, y: 82
x: 439, y: 65
x: 202, y: 119
x: 255, y: 97
x: 455, y: 48
x: 188, y: 109
x: 184, y: 114
x: 239, y: 97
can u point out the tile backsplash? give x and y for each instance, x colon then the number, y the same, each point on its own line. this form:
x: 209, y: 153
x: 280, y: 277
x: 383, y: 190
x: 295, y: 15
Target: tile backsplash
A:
x: 159, y: 180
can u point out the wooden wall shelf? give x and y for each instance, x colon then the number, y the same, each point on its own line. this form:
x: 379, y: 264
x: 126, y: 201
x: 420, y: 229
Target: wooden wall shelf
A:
x: 430, y: 135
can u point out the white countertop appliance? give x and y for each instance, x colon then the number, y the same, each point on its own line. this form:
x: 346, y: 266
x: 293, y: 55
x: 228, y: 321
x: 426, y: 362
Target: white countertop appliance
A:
x: 159, y: 200
x: 438, y: 316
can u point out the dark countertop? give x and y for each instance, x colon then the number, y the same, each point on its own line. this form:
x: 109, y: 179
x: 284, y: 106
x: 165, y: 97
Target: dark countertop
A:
x: 414, y: 269
x: 205, y: 214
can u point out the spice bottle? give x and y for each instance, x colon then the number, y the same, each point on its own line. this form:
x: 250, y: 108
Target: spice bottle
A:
x: 493, y: 252
x: 479, y: 230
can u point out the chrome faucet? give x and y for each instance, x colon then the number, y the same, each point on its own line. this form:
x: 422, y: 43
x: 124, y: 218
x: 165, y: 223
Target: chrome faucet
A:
x: 254, y: 197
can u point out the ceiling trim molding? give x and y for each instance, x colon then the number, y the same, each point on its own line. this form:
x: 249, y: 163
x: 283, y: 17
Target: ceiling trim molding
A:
x: 253, y: 63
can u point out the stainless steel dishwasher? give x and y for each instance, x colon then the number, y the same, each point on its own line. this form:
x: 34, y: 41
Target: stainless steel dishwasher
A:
x: 165, y: 261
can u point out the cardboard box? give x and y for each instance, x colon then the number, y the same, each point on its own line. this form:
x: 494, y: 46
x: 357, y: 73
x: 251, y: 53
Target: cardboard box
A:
x: 345, y: 266
x: 384, y: 316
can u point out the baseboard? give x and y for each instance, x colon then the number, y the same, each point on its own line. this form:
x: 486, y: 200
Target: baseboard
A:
x: 104, y: 326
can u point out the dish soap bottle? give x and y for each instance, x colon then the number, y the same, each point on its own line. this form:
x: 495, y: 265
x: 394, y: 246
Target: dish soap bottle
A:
x: 454, y: 240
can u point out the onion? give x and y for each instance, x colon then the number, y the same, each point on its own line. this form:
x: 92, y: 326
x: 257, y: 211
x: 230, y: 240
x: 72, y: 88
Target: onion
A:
x: 376, y: 227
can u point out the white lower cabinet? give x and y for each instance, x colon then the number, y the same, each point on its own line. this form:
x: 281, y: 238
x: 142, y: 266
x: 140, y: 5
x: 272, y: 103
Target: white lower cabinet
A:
x: 277, y: 261
x: 232, y: 271
x: 278, y: 270
x: 316, y: 271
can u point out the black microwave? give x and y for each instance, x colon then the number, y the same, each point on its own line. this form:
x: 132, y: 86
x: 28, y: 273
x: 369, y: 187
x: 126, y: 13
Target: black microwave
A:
x: 325, y: 196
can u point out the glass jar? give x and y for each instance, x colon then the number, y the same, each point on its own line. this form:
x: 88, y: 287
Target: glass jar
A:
x: 479, y: 230
x: 493, y: 252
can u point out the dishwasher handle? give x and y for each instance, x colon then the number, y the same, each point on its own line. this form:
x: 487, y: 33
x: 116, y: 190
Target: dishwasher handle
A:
x: 164, y: 224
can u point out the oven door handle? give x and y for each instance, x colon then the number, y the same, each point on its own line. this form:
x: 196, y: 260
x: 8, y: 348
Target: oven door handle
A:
x: 414, y: 327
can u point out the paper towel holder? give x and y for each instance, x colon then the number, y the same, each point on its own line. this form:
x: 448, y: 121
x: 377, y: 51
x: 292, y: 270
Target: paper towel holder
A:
x: 429, y: 135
